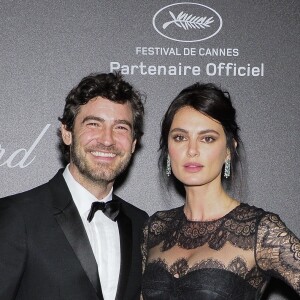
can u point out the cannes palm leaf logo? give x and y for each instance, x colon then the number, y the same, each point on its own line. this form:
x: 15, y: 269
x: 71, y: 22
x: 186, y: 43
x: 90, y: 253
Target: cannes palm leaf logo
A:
x: 186, y: 21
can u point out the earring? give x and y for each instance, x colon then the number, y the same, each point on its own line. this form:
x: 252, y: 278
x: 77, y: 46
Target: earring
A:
x: 227, y: 169
x: 168, y: 168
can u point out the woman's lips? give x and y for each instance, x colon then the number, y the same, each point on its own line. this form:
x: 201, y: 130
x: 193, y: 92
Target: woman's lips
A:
x: 193, y: 167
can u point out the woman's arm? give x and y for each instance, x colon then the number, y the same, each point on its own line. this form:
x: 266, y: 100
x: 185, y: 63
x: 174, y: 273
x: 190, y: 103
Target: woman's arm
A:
x: 278, y: 250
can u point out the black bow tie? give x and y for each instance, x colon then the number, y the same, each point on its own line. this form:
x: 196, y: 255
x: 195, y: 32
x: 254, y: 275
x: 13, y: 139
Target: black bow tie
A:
x: 111, y: 209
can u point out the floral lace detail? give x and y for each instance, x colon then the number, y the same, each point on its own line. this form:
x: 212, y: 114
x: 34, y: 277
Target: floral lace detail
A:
x: 238, y: 266
x: 278, y: 250
x: 256, y: 278
x: 180, y: 267
x: 271, y: 249
x: 295, y: 247
x: 171, y: 227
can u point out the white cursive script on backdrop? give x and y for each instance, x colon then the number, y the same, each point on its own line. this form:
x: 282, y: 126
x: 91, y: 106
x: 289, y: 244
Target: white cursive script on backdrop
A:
x: 16, y: 159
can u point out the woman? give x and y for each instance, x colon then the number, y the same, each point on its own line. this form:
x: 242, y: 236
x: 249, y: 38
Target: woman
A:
x: 212, y: 247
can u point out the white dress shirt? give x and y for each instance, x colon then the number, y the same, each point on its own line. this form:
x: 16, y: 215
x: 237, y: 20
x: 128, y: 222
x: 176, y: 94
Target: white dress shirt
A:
x: 103, y: 234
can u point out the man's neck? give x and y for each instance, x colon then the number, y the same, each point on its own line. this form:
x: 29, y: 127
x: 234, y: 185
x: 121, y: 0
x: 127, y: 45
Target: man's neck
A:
x: 100, y: 189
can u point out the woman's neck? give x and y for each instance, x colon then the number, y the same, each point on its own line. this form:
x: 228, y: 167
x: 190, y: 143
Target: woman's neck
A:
x: 206, y: 203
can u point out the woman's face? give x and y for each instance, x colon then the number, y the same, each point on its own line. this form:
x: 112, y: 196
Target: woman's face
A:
x: 197, y: 148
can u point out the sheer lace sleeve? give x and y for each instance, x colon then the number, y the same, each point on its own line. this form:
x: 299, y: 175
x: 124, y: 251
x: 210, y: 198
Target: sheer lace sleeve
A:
x: 278, y: 250
x: 144, y: 245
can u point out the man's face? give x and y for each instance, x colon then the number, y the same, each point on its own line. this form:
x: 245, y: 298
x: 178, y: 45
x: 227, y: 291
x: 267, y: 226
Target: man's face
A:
x: 101, y: 142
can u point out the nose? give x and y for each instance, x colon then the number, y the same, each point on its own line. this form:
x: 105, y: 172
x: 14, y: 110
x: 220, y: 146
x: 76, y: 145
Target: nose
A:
x: 193, y: 149
x: 106, y: 136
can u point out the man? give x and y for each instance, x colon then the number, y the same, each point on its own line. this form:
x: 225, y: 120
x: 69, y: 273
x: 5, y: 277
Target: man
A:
x: 54, y: 242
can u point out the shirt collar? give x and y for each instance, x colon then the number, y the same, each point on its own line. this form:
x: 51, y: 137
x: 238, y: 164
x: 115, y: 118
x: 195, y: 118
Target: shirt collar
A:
x: 82, y: 198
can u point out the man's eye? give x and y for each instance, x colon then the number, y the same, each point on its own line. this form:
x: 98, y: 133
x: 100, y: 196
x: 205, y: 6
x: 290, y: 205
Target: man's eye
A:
x: 122, y: 127
x: 93, y: 124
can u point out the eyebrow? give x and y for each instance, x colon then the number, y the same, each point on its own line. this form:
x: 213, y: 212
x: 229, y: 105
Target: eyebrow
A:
x: 200, y: 132
x: 101, y: 120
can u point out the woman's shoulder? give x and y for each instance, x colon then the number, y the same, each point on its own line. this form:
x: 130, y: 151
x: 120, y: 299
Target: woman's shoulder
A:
x: 252, y: 214
x: 167, y: 215
x: 245, y: 210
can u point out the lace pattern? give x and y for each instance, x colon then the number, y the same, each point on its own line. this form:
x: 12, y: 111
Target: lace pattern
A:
x: 237, y: 227
x: 278, y: 250
x: 238, y: 266
x: 273, y: 249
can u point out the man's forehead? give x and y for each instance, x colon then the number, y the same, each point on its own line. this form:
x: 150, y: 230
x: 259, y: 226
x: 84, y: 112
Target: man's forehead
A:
x: 106, y: 109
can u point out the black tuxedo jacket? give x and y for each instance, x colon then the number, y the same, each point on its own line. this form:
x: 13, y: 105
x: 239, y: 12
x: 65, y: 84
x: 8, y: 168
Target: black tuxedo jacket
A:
x: 45, y: 253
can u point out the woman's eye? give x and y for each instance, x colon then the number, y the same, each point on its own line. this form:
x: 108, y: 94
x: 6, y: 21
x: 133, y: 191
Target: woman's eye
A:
x: 208, y: 139
x: 179, y: 138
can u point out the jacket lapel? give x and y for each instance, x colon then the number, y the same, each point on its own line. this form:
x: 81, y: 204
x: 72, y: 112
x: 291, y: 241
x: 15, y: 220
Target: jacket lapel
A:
x: 125, y: 231
x: 68, y: 218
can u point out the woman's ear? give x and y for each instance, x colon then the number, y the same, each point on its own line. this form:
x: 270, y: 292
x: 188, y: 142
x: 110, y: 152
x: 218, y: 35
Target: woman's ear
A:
x: 228, y: 157
x: 235, y: 143
x: 66, y: 135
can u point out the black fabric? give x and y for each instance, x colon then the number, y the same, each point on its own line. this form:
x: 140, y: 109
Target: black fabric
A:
x: 111, y: 209
x: 45, y: 252
x: 205, y: 284
x: 244, y: 249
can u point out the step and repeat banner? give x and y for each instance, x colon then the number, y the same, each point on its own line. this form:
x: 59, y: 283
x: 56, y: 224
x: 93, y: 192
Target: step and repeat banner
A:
x: 248, y: 47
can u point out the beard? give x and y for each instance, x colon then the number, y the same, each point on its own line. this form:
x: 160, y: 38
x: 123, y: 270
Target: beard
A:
x: 98, y: 173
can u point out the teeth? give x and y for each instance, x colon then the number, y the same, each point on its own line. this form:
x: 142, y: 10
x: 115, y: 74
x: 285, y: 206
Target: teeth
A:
x: 103, y: 154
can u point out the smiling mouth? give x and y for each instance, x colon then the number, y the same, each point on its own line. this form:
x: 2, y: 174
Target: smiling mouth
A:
x: 103, y: 154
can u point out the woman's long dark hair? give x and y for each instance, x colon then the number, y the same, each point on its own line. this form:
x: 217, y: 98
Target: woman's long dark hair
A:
x: 216, y: 104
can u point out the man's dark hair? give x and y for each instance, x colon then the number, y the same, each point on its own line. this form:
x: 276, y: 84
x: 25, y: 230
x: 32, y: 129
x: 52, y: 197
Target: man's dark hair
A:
x: 110, y: 86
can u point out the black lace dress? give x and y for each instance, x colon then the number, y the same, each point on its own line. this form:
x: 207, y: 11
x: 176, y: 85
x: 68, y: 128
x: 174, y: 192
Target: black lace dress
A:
x: 230, y: 258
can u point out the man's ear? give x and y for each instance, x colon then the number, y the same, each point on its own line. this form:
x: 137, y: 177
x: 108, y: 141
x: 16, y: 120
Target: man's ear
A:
x: 133, y: 146
x: 66, y: 135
